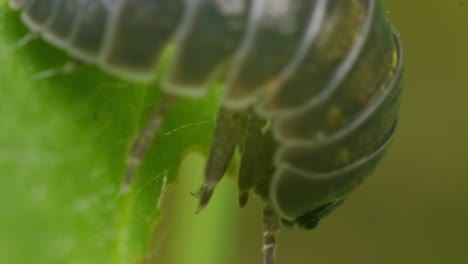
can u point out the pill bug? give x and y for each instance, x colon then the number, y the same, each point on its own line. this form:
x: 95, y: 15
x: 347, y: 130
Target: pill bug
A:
x: 311, y: 94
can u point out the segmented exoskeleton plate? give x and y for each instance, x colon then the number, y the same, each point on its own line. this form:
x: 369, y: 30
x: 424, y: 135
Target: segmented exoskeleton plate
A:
x: 311, y: 90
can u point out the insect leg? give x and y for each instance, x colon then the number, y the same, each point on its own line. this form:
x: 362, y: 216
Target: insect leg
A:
x: 67, y: 68
x: 146, y: 136
x: 230, y: 127
x: 30, y: 36
x: 271, y: 225
x: 250, y: 154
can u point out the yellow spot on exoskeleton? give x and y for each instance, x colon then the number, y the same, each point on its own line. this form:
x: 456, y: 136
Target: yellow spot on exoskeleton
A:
x: 271, y: 86
x: 335, y: 118
x: 343, y: 157
x: 320, y: 136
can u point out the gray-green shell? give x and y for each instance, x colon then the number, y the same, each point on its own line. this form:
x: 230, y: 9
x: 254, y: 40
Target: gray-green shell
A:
x: 326, y: 73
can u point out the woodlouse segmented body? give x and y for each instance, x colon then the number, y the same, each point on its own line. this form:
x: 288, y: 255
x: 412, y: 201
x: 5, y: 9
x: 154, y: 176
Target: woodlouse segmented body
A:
x: 325, y: 74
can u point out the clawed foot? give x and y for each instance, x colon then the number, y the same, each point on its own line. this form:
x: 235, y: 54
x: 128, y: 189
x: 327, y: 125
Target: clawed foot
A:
x: 204, y: 195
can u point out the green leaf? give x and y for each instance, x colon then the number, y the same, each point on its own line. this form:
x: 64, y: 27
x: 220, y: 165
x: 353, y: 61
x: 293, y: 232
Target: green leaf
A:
x: 63, y: 145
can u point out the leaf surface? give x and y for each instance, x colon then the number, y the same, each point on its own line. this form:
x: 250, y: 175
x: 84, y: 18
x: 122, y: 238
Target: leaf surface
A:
x: 63, y: 146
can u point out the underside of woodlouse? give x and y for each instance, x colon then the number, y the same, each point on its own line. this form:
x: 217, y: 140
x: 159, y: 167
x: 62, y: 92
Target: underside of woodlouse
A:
x: 311, y: 92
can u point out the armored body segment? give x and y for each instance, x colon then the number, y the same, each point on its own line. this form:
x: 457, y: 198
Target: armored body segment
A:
x: 38, y: 13
x: 211, y: 34
x: 354, y: 90
x: 89, y: 28
x: 354, y: 142
x: 326, y: 173
x: 295, y: 193
x: 345, y: 20
x: 280, y: 30
x: 139, y: 33
x: 61, y: 26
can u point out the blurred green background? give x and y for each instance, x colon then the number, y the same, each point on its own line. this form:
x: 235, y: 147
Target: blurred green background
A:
x: 413, y: 209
